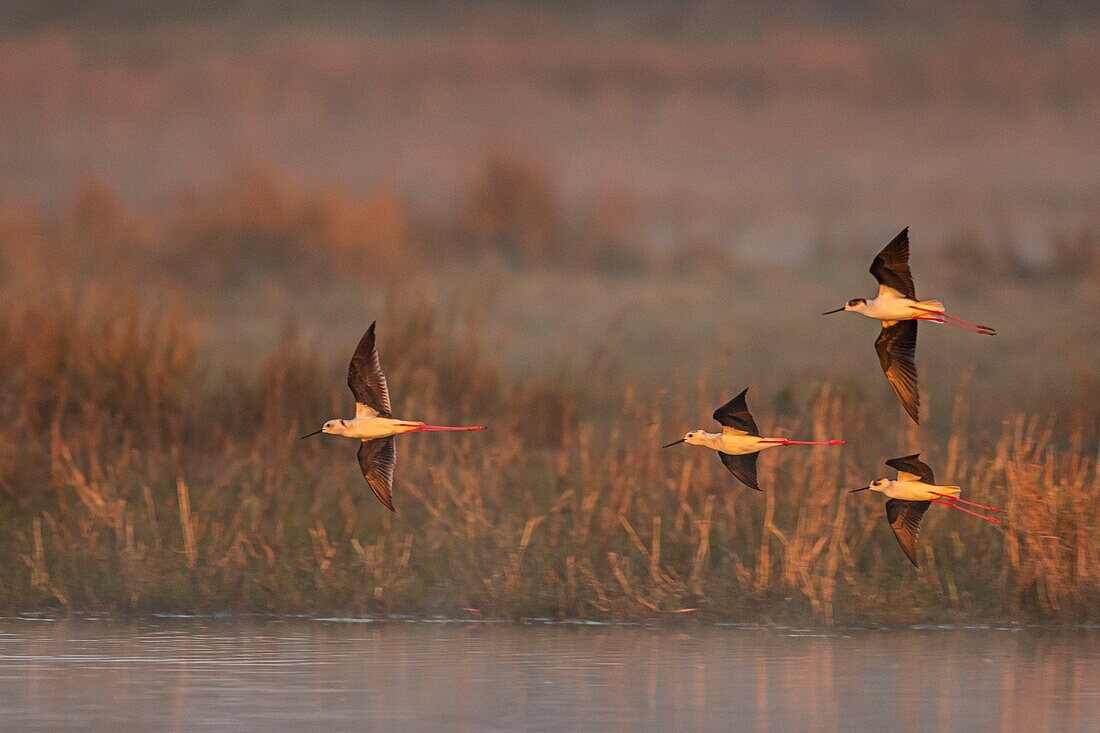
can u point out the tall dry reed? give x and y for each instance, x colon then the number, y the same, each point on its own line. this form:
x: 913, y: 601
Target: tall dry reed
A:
x: 132, y: 479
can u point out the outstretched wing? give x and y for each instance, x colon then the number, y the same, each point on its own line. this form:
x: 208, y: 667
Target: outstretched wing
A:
x: 891, y: 266
x: 365, y: 377
x: 912, y: 466
x: 735, y: 414
x: 743, y: 468
x: 904, y: 518
x: 376, y: 459
x: 897, y: 353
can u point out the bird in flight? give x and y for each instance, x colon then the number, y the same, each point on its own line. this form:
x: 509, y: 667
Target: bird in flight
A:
x: 896, y: 305
x: 374, y: 423
x: 740, y: 443
x: 910, y: 495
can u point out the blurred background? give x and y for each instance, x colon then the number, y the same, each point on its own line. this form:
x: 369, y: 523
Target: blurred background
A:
x: 662, y: 183
x: 580, y: 220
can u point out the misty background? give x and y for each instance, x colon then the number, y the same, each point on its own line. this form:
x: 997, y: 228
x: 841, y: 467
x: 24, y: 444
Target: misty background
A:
x: 662, y: 190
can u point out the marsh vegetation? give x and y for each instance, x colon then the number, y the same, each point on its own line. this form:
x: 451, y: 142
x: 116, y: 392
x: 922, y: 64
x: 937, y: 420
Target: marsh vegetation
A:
x: 169, y: 324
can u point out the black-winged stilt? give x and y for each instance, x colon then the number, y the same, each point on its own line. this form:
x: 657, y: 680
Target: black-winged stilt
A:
x: 740, y: 443
x: 896, y: 305
x: 910, y: 495
x: 374, y: 423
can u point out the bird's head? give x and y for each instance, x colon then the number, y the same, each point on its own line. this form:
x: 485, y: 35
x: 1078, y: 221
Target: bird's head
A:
x: 695, y: 437
x: 856, y: 305
x: 876, y: 485
x: 332, y: 427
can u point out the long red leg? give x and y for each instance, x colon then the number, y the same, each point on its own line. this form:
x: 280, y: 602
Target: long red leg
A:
x: 991, y: 520
x: 952, y: 320
x: 971, y: 503
x: 984, y: 331
x: 965, y: 322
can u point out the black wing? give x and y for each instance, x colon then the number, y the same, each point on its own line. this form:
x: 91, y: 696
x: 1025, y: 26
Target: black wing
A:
x: 743, y: 468
x: 365, y: 377
x: 912, y: 464
x: 735, y: 414
x: 891, y: 266
x: 904, y: 518
x: 376, y: 459
x: 897, y: 352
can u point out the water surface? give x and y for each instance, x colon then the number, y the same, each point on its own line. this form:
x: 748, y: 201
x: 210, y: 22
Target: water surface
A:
x: 276, y: 675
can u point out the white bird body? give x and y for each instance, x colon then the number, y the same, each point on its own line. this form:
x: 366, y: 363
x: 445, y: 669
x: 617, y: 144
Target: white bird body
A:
x: 890, y: 306
x: 732, y: 442
x: 369, y: 427
x: 913, y: 489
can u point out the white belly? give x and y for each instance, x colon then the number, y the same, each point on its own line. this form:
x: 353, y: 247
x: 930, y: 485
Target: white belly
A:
x: 918, y: 491
x: 894, y: 309
x: 886, y: 308
x: 739, y: 445
x: 369, y: 428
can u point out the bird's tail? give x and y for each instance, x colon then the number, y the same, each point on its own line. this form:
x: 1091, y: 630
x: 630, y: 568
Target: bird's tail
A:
x: 937, y: 314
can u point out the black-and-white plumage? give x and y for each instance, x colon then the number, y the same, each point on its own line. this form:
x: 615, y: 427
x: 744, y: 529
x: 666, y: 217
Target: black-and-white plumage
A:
x: 891, y: 267
x: 739, y: 444
x: 365, y: 378
x: 897, y: 308
x: 378, y: 456
x: 896, y: 347
x: 904, y: 517
x: 912, y: 467
x: 735, y: 414
x: 374, y: 423
x: 909, y: 496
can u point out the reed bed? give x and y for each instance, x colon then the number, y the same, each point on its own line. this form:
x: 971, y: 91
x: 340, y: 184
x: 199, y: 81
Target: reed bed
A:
x: 136, y: 478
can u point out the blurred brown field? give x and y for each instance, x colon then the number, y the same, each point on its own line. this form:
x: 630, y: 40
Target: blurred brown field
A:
x: 717, y: 121
x: 584, y: 229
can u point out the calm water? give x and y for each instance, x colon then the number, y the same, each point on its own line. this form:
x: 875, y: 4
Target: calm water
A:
x: 272, y: 675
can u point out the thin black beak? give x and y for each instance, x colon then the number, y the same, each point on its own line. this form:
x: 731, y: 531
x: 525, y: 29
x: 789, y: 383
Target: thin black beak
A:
x: 835, y: 310
x: 675, y: 442
x: 862, y: 488
x: 312, y: 434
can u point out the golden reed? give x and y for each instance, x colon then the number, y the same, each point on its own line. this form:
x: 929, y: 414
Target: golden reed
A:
x: 133, y: 478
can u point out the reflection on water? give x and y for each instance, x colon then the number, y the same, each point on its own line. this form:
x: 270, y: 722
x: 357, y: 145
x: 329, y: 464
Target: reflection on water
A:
x: 202, y: 674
